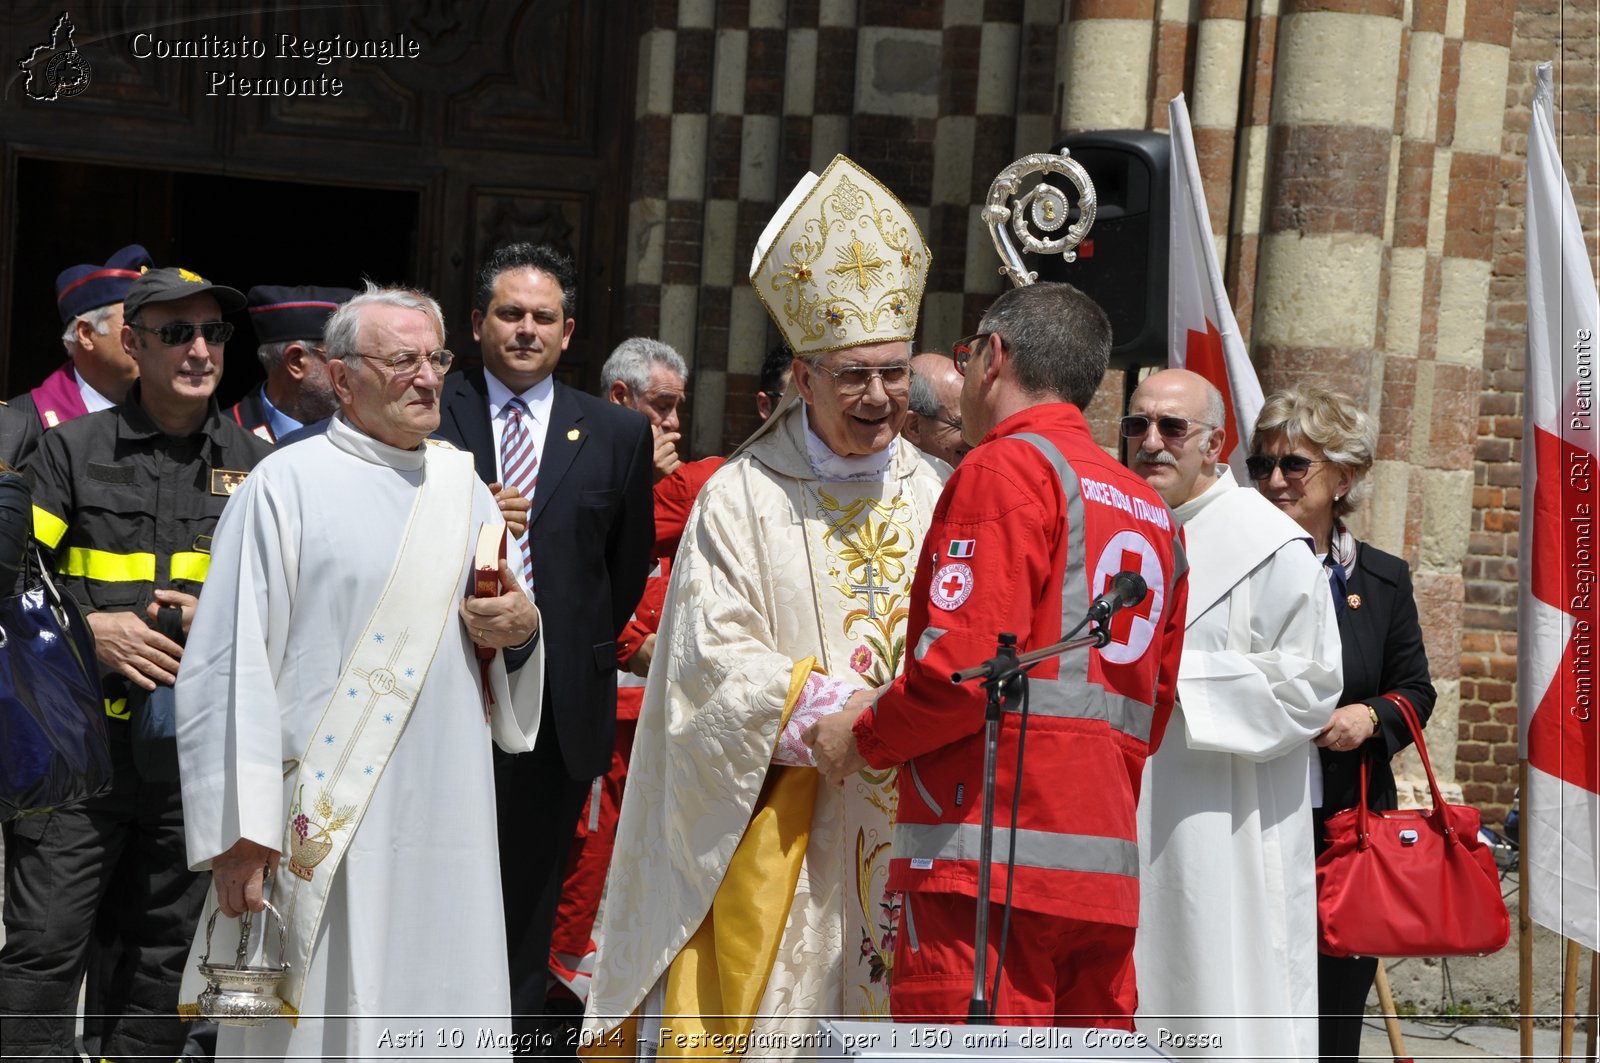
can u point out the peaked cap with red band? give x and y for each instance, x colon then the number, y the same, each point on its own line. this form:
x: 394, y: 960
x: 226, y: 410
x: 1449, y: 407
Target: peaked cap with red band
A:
x: 80, y: 289
x: 281, y: 313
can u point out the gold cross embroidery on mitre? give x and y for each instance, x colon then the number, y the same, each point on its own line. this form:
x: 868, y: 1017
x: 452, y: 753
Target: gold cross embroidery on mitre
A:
x: 856, y: 261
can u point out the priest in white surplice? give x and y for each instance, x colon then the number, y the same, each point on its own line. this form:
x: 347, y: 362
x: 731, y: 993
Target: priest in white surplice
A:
x: 742, y: 886
x: 331, y: 709
x: 1226, y: 948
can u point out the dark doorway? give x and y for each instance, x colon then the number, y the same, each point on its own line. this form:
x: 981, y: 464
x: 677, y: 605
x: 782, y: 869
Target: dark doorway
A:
x: 233, y: 230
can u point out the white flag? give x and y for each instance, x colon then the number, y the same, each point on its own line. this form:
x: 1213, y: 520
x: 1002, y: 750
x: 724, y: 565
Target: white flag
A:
x: 1202, y: 334
x: 1559, y: 605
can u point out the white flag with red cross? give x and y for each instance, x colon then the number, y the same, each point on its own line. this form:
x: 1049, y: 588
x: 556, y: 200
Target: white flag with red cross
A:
x: 1558, y: 639
x: 1202, y: 333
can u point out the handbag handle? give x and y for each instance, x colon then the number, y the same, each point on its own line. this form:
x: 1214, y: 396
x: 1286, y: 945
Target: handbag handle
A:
x: 1408, y: 713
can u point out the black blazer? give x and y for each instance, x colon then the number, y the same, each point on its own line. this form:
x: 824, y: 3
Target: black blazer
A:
x: 593, y: 530
x: 250, y: 413
x: 19, y: 432
x: 1383, y: 654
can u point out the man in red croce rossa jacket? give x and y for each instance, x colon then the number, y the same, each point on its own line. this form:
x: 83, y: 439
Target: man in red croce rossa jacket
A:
x: 1030, y: 529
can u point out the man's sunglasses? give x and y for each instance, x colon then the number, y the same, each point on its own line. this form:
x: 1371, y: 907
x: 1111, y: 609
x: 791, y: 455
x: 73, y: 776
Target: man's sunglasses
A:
x: 1135, y: 425
x: 181, y: 333
x: 1294, y: 466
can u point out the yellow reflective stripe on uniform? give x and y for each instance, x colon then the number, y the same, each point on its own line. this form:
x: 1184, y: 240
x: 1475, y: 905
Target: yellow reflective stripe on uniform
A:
x: 47, y: 527
x: 117, y: 708
x: 191, y: 566
x: 108, y: 567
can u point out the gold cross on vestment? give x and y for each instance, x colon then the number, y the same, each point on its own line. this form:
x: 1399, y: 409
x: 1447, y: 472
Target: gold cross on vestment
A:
x: 856, y: 261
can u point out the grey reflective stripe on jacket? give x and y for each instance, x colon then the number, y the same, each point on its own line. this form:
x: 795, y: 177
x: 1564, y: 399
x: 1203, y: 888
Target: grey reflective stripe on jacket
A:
x: 1071, y: 695
x: 1035, y: 848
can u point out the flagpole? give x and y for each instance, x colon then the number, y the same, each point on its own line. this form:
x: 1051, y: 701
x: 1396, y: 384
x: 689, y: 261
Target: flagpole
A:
x: 1569, y: 997
x: 1524, y: 921
x: 1594, y: 1003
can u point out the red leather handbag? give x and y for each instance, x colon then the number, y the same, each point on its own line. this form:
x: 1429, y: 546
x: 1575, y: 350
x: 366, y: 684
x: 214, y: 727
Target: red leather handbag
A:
x: 1409, y: 883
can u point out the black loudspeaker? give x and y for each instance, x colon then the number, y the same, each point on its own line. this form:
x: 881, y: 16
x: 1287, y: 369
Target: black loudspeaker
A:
x: 1122, y: 264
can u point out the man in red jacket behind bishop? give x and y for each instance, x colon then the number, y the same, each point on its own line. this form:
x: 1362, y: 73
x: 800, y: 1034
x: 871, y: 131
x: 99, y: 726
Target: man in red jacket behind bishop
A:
x: 1030, y: 529
x: 649, y: 376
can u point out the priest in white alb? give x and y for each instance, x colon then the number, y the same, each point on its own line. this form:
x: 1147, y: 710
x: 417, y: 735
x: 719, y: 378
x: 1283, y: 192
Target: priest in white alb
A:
x: 335, y: 719
x: 1227, y: 943
x: 746, y: 897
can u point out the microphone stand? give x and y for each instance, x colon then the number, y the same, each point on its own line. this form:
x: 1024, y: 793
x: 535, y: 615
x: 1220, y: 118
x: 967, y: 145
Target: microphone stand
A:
x: 1004, y: 678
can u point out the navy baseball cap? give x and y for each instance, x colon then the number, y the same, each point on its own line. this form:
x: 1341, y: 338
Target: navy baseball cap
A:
x: 171, y: 283
x: 283, y: 312
x: 80, y: 289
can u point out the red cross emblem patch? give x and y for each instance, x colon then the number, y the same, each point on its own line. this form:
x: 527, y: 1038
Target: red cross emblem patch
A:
x: 951, y: 585
x: 1132, y: 629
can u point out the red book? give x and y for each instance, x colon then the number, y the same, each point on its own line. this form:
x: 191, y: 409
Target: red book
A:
x: 486, y: 558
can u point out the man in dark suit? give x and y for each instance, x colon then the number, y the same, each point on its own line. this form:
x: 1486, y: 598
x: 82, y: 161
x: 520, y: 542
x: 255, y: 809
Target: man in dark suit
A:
x: 586, y: 463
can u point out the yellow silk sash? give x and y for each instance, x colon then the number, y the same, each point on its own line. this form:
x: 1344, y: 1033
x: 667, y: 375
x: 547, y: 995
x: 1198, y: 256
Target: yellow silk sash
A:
x: 715, y: 983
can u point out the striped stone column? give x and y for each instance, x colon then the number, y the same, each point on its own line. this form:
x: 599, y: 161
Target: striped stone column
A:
x: 833, y: 81
x: 652, y: 148
x: 693, y: 89
x: 1172, y: 58
x: 759, y: 155
x: 1249, y: 193
x: 1219, y: 60
x: 1474, y: 62
x: 950, y: 230
x: 1317, y: 293
x: 995, y: 146
x: 1106, y: 63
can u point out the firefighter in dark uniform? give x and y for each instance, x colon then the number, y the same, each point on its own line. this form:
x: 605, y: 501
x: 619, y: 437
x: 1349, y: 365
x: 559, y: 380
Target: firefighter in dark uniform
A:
x: 125, y: 502
x: 297, y: 392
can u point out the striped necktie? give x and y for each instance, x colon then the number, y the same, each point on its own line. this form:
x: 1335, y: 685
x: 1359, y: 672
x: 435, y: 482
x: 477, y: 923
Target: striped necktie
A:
x: 519, y: 468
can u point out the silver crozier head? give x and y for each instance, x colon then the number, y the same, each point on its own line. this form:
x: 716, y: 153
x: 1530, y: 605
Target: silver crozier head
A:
x: 1038, y: 216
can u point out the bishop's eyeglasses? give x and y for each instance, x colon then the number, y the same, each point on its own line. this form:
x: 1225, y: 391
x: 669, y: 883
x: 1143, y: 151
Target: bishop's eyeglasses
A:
x: 854, y: 380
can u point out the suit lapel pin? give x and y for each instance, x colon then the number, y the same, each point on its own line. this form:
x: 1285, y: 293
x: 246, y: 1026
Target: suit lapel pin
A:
x: 572, y: 434
x: 1353, y: 601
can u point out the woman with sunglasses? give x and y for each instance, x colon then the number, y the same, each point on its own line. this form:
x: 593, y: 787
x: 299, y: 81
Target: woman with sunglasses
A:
x: 1310, y: 456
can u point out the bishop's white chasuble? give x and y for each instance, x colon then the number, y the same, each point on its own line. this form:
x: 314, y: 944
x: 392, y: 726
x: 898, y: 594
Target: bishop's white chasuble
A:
x: 779, y: 573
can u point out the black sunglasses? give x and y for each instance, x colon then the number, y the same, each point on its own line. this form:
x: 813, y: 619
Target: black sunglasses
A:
x: 1135, y: 425
x: 1294, y: 466
x: 181, y: 333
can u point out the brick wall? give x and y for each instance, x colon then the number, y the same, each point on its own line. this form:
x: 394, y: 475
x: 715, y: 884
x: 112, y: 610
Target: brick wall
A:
x: 1563, y: 33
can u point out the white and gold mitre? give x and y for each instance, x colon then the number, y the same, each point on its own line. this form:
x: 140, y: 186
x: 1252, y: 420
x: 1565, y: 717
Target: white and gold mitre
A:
x: 842, y: 263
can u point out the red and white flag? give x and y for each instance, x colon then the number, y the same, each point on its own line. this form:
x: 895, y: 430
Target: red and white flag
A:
x: 1559, y: 607
x: 1202, y: 334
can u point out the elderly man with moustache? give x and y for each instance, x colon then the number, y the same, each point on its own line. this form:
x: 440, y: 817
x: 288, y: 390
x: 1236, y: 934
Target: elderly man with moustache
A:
x: 1226, y: 948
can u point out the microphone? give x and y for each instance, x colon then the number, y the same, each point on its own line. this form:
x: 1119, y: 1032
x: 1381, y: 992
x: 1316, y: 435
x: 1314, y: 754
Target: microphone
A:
x: 1127, y: 588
